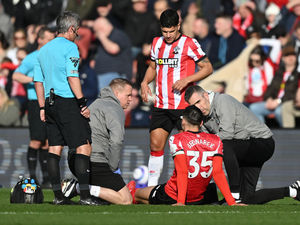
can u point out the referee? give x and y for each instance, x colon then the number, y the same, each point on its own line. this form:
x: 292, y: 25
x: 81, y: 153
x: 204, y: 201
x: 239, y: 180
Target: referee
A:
x: 64, y: 110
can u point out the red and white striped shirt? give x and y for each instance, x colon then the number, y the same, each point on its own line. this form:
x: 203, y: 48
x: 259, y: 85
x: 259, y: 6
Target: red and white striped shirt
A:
x: 174, y: 62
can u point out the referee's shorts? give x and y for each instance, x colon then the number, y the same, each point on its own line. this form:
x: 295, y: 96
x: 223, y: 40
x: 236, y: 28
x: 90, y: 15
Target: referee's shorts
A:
x: 37, y: 128
x: 65, y: 124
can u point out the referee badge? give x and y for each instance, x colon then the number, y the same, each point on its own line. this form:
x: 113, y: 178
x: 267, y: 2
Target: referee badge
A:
x: 74, y: 60
x: 176, y: 50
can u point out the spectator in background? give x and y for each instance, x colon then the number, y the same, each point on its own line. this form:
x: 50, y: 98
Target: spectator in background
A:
x: 272, y: 28
x: 244, y: 17
x: 13, y: 88
x: 88, y: 79
x: 282, y: 89
x: 290, y: 15
x: 5, y: 23
x: 25, y: 13
x: 20, y: 41
x: 137, y: 22
x: 188, y: 21
x: 9, y: 111
x: 21, y: 54
x: 261, y: 70
x: 227, y: 44
x: 32, y: 36
x: 83, y: 41
x: 3, y: 45
x: 134, y: 113
x: 290, y: 110
x: 113, y: 58
x: 103, y: 8
x: 202, y: 34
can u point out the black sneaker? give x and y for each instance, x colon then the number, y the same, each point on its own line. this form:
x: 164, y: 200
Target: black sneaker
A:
x: 296, y: 186
x: 68, y: 188
x: 64, y: 201
x: 88, y: 201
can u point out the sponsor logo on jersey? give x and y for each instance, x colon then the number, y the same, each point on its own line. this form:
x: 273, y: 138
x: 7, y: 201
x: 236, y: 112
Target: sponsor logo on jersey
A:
x: 171, y: 62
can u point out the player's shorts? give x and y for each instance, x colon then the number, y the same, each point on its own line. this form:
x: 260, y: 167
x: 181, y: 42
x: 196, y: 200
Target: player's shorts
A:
x: 159, y: 196
x: 166, y: 119
x: 65, y: 124
x: 37, y: 128
x: 101, y: 175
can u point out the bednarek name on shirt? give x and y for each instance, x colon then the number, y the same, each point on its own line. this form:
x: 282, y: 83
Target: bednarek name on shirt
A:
x: 201, y: 142
x: 171, y: 62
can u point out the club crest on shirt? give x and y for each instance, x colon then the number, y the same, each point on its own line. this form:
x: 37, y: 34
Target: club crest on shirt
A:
x: 74, y: 60
x: 176, y: 50
x: 171, y: 62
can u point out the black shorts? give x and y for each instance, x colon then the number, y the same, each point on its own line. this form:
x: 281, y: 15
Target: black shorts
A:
x: 37, y: 128
x: 166, y: 119
x: 65, y: 124
x: 159, y: 196
x: 101, y: 175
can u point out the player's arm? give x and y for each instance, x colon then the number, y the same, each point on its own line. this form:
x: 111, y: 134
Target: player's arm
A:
x: 38, y: 79
x: 149, y: 77
x: 205, y: 69
x: 39, y: 88
x: 182, y: 177
x: 220, y: 179
x: 22, y: 78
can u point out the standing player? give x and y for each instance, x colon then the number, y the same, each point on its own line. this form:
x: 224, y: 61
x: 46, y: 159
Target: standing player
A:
x: 38, y: 144
x: 173, y: 60
x: 64, y: 110
x: 197, y: 158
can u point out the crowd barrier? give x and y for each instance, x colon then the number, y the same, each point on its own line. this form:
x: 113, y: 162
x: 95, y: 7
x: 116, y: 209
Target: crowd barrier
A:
x: 281, y: 170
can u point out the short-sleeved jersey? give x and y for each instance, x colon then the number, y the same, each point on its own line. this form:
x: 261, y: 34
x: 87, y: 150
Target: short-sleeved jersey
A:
x: 199, y: 148
x: 57, y: 60
x: 173, y: 61
x: 27, y: 68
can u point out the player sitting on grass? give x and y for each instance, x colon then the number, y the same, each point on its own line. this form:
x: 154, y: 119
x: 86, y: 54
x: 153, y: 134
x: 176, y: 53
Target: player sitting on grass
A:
x: 197, y: 158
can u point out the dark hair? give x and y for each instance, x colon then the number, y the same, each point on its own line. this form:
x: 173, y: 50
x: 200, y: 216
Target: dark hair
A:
x: 119, y: 83
x: 259, y: 51
x: 191, y: 90
x: 3, y: 40
x: 169, y: 18
x: 66, y: 20
x: 100, y: 3
x: 193, y: 115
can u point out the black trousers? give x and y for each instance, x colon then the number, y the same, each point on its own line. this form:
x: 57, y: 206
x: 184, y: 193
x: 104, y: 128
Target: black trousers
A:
x: 243, y: 161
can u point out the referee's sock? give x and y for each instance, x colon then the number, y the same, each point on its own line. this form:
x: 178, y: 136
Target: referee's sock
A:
x: 54, y: 174
x: 155, y: 166
x: 43, y: 155
x: 82, y: 170
x: 32, y: 161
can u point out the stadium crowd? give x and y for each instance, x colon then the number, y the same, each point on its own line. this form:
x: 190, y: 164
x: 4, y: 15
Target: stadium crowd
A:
x: 118, y: 44
x: 115, y: 39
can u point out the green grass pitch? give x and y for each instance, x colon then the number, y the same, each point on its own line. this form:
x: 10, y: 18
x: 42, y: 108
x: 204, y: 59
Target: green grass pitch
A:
x: 283, y: 212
